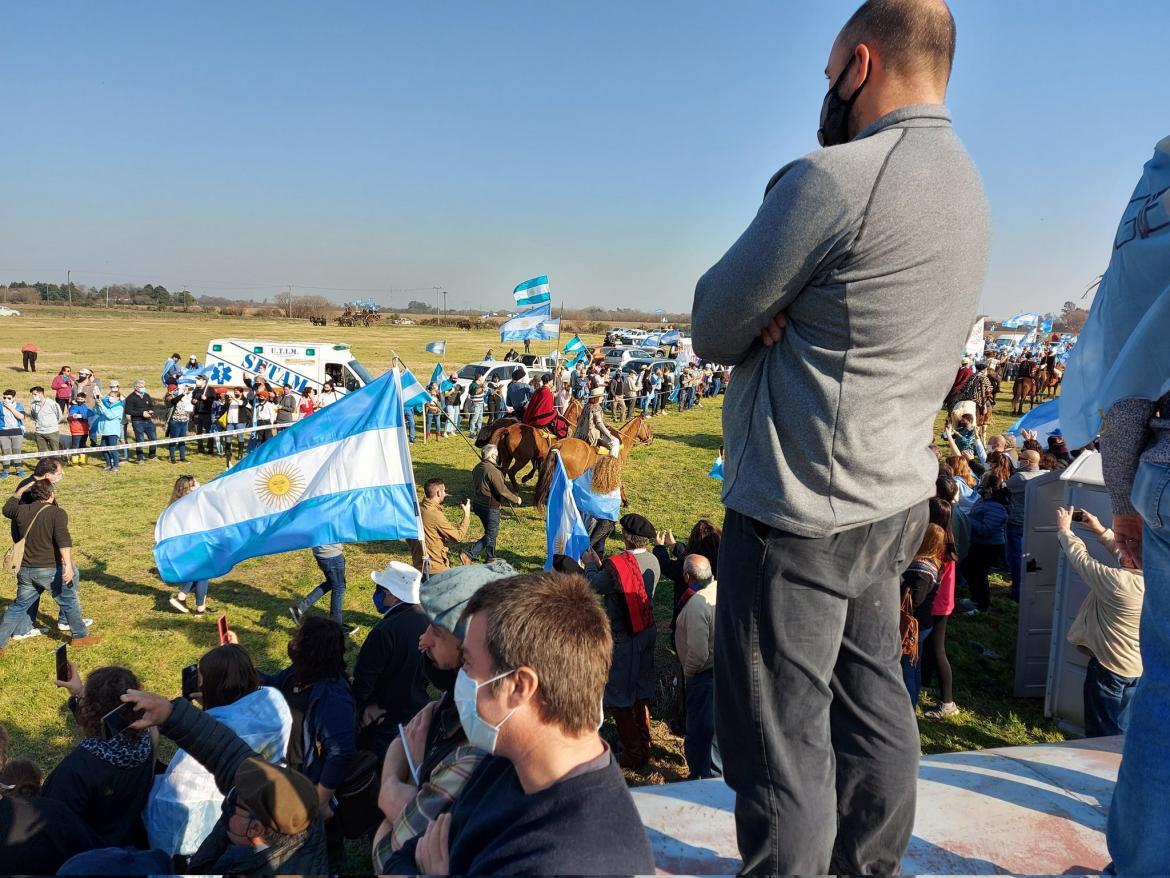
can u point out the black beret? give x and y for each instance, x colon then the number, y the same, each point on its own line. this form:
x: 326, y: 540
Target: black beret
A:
x: 637, y: 525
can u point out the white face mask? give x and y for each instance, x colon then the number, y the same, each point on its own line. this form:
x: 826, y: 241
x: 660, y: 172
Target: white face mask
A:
x: 479, y: 733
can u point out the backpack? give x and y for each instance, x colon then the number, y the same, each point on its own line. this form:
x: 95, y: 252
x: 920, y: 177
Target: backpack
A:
x: 14, y: 557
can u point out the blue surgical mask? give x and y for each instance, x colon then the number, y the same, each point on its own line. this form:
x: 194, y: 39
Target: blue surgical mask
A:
x: 479, y: 733
x: 380, y: 604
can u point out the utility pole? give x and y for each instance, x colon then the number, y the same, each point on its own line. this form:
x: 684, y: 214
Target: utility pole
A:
x: 436, y: 289
x: 107, y: 297
x: 69, y: 284
x: 444, y: 304
x: 290, y: 301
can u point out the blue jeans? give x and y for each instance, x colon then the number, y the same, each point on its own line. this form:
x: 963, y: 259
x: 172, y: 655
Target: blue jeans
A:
x: 476, y: 422
x: 644, y: 405
x: 144, y: 429
x: 110, y: 456
x: 912, y: 673
x: 239, y: 438
x: 452, y: 419
x: 410, y: 423
x: 199, y: 589
x: 334, y: 570
x: 486, y: 545
x: 177, y: 430
x: 1015, y: 557
x: 1138, y: 833
x: 1107, y: 700
x: 433, y: 424
x: 700, y: 746
x: 30, y: 583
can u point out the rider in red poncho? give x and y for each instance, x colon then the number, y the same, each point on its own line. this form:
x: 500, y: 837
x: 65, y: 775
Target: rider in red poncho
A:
x: 540, y: 413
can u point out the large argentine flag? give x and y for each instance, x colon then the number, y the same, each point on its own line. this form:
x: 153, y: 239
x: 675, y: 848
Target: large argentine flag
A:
x: 607, y: 506
x: 339, y: 477
x: 1041, y: 420
x: 1018, y: 320
x: 532, y: 292
x: 528, y: 324
x: 565, y: 532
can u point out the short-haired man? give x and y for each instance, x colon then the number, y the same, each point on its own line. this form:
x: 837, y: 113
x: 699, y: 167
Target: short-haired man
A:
x: 1106, y: 625
x: 52, y: 471
x: 549, y: 799
x: 1028, y: 469
x: 488, y: 492
x: 416, y: 790
x: 271, y: 822
x: 11, y: 432
x: 626, y: 583
x: 47, y: 563
x: 437, y: 528
x: 202, y: 402
x: 694, y: 642
x: 46, y: 417
x: 140, y: 410
x: 858, y: 252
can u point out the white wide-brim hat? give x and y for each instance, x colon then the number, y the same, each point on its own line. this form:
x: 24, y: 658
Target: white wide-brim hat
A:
x: 401, y: 580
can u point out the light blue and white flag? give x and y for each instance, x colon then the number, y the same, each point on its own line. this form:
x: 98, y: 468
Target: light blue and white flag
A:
x: 575, y: 346
x: 1041, y: 420
x: 413, y: 393
x: 438, y: 378
x: 344, y: 477
x: 652, y: 341
x: 189, y: 375
x: 437, y: 347
x: 1027, y: 319
x: 670, y: 337
x: 717, y: 469
x: 607, y: 506
x: 528, y: 324
x: 565, y: 532
x: 532, y: 292
x: 551, y: 327
x: 1046, y: 324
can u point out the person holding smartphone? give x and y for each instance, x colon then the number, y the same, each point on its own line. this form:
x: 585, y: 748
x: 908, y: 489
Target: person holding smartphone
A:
x: 105, y: 779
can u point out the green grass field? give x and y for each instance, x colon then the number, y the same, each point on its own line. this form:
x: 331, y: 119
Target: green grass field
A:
x: 112, y: 519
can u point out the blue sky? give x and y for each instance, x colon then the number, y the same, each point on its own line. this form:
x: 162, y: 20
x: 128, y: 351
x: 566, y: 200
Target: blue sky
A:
x: 618, y: 147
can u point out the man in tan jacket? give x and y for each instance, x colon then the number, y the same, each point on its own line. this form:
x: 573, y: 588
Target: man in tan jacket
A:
x: 437, y: 528
x: 694, y: 640
x: 1106, y: 627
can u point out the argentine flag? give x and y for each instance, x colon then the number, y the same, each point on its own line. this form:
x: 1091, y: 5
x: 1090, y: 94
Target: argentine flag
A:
x: 437, y: 347
x: 343, y: 477
x: 651, y: 341
x: 1019, y: 320
x: 565, y: 532
x: 575, y: 346
x: 413, y: 393
x: 528, y: 324
x: 607, y: 506
x: 1041, y: 420
x: 532, y: 292
x: 189, y: 375
x: 551, y: 327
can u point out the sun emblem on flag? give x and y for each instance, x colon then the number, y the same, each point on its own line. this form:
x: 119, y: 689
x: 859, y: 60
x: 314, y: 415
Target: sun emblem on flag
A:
x: 280, y: 484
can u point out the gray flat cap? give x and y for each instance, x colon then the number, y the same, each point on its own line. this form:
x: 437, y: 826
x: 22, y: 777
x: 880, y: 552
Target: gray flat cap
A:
x: 445, y: 595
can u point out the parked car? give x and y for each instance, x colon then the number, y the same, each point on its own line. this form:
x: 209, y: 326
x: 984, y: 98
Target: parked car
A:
x: 8, y: 312
x: 619, y: 355
x: 488, y: 371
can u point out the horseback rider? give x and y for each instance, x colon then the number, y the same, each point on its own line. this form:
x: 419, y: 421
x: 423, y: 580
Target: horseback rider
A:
x: 591, y: 426
x: 541, y: 413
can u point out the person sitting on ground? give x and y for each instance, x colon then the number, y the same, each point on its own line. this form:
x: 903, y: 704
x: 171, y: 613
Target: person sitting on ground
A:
x: 437, y: 528
x: 105, y: 781
x: 388, y: 685
x: 270, y: 822
x: 550, y: 798
x: 439, y: 751
x: 323, y: 741
x: 694, y: 639
x: 184, y: 803
x: 626, y: 583
x: 37, y: 834
x: 1106, y: 627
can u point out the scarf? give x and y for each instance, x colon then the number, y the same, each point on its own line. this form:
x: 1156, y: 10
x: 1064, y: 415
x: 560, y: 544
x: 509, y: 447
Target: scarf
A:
x: 127, y: 750
x: 624, y: 568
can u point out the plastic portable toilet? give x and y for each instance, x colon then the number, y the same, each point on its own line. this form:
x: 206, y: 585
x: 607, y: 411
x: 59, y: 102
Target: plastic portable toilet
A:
x: 1038, y: 583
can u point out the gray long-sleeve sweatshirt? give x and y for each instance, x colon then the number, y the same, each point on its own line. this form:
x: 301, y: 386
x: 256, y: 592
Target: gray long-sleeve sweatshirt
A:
x: 876, y: 252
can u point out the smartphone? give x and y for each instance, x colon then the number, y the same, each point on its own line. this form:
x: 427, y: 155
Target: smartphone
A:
x: 1078, y: 515
x: 63, y: 663
x: 222, y: 625
x: 118, y: 720
x: 190, y: 680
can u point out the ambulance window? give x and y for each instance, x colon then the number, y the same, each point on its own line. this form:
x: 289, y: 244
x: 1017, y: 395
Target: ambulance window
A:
x: 351, y: 381
x: 333, y: 372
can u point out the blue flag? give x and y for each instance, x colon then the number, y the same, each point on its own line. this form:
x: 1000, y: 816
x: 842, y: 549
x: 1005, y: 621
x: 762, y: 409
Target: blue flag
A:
x: 717, y: 469
x: 1041, y: 420
x: 437, y: 347
x: 535, y: 323
x: 565, y: 532
x: 344, y: 477
x: 574, y: 345
x: 532, y: 292
x: 607, y: 506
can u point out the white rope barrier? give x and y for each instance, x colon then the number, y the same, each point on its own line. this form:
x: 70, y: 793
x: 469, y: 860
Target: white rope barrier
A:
x: 129, y: 446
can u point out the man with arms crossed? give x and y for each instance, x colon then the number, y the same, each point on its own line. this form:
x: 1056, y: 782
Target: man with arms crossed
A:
x: 859, y: 252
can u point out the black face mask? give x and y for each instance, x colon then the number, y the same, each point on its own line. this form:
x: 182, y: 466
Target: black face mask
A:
x: 440, y: 678
x: 835, y: 109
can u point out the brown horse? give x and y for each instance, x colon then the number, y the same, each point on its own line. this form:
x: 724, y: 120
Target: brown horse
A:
x: 578, y: 455
x: 1023, y: 389
x: 1049, y: 381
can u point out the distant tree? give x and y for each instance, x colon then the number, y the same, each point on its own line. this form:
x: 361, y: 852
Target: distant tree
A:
x: 1072, y: 318
x: 416, y: 307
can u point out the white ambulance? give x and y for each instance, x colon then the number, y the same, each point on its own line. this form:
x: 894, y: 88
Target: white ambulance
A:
x: 300, y: 364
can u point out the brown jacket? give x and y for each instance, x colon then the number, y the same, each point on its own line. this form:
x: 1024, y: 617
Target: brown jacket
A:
x: 438, y: 531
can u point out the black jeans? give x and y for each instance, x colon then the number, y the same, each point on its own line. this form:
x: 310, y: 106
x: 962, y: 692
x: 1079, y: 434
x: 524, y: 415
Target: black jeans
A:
x: 976, y: 567
x: 819, y: 739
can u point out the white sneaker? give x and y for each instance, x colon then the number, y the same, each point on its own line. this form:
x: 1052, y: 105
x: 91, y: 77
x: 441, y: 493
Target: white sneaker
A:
x: 947, y: 708
x: 64, y: 626
x: 34, y: 632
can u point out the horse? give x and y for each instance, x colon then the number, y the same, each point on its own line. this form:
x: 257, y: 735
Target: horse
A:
x: 1023, y: 389
x: 521, y: 445
x: 1049, y: 381
x: 578, y: 455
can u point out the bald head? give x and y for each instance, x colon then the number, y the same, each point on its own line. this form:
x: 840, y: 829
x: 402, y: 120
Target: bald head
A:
x: 1029, y: 458
x: 696, y: 568
x: 914, y: 38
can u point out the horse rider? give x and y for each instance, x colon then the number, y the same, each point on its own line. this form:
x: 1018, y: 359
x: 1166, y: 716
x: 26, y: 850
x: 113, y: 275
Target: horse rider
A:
x: 591, y: 426
x: 541, y: 413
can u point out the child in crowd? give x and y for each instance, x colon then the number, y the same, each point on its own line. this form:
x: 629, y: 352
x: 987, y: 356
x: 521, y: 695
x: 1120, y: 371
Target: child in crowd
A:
x: 184, y: 485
